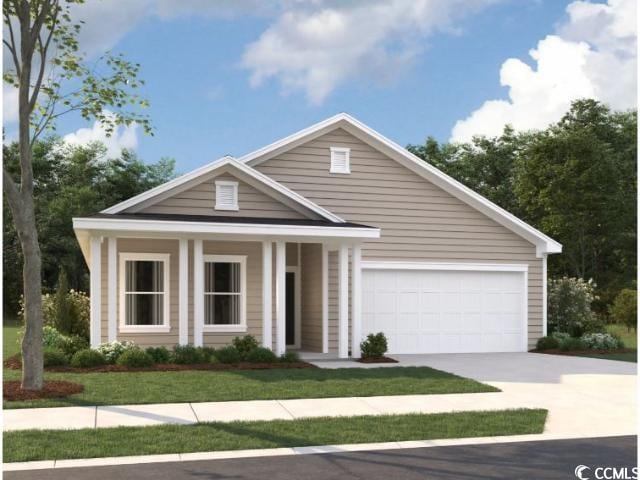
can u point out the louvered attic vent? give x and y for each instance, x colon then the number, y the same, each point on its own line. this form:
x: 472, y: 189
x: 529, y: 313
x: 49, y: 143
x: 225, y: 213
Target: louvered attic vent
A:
x: 226, y: 195
x: 340, y: 160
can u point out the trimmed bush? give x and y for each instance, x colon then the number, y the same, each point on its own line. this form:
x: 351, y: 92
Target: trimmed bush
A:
x: 54, y: 357
x: 88, y: 358
x: 51, y: 337
x: 290, y: 357
x: 374, y: 346
x: 571, y: 344
x: 624, y: 309
x: 159, y: 354
x: 569, y: 305
x: 601, y: 341
x: 245, y: 345
x: 73, y: 344
x: 113, y: 350
x: 228, y: 354
x: 135, y: 357
x: 187, y: 354
x: 261, y: 355
x: 547, y: 343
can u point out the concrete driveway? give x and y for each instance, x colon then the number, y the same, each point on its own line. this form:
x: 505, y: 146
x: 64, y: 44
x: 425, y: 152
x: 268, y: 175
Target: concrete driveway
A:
x: 587, y: 396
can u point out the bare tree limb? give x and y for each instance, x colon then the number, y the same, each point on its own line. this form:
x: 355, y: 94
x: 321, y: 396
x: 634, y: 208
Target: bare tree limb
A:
x: 12, y: 46
x: 43, y: 60
x: 10, y: 189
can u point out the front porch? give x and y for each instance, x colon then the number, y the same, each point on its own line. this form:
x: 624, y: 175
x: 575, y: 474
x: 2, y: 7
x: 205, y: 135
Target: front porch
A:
x: 203, y: 281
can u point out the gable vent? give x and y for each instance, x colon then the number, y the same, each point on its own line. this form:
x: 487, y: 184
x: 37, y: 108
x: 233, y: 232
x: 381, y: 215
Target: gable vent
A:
x: 340, y: 160
x: 226, y: 195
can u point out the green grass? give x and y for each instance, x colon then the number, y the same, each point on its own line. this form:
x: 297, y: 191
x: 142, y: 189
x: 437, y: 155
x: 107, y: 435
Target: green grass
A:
x: 216, y: 386
x: 108, y: 442
x: 629, y: 337
x: 10, y: 340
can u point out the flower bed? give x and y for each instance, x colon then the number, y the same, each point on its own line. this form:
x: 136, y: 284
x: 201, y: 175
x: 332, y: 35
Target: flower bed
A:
x: 51, y: 389
x: 380, y: 359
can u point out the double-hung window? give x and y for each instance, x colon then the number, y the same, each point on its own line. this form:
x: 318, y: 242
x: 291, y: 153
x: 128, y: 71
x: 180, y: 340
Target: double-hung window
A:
x: 224, y: 293
x: 144, y: 292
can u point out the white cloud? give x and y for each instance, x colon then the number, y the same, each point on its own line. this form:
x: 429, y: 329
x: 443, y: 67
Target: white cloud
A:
x: 592, y: 55
x: 122, y: 137
x: 316, y: 47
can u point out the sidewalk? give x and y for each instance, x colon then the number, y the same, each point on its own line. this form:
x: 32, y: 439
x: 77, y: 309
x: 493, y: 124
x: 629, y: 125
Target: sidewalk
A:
x: 189, y: 413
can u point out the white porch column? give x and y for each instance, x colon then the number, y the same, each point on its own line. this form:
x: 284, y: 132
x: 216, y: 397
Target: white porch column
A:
x: 198, y: 293
x: 544, y: 295
x: 183, y: 291
x: 343, y: 301
x: 267, y: 306
x: 280, y: 298
x: 96, y: 290
x: 325, y: 299
x: 356, y: 300
x: 112, y: 289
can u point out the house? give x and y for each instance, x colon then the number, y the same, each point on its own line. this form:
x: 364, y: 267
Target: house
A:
x: 313, y: 242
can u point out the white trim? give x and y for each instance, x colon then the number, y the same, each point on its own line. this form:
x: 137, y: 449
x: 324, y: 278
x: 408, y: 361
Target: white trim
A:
x: 298, y: 311
x: 343, y: 301
x: 222, y: 162
x: 95, y: 300
x: 325, y: 298
x: 198, y: 293
x: 236, y: 327
x: 356, y: 300
x: 280, y: 298
x: 525, y: 311
x: 173, y: 226
x: 227, y: 183
x: 347, y: 165
x: 166, y: 294
x: 183, y: 291
x: 544, y: 296
x: 267, y: 305
x: 496, y: 267
x: 544, y: 243
x: 112, y: 289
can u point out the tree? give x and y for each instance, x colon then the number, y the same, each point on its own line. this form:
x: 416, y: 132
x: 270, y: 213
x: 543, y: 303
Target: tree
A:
x: 52, y: 79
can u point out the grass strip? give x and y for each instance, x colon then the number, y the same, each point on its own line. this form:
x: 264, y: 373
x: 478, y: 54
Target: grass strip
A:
x: 31, y: 445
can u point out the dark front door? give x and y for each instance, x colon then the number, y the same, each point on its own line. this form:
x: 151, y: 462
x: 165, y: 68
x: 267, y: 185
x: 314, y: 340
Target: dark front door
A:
x: 290, y: 303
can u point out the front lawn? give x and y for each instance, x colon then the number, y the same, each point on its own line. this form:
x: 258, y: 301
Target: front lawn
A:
x: 215, y: 386
x: 31, y: 445
x: 10, y: 345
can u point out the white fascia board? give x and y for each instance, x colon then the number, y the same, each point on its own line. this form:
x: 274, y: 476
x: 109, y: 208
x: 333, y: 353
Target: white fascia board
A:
x: 183, y: 228
x: 444, y: 266
x: 544, y: 244
x: 261, y: 178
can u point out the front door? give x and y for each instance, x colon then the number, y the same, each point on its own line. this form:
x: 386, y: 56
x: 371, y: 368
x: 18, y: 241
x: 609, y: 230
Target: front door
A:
x: 290, y: 315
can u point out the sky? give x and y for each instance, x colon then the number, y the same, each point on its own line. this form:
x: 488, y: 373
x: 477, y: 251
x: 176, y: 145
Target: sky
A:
x: 227, y: 77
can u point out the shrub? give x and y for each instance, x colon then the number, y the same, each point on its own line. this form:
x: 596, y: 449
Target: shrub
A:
x: 113, y: 350
x: 135, y: 357
x: 547, y: 343
x: 290, y: 357
x: 54, y: 357
x: 88, y: 358
x: 228, y: 354
x: 159, y: 354
x: 601, y: 341
x: 560, y: 336
x: 571, y: 344
x: 51, y: 337
x: 261, y: 355
x: 76, y: 312
x: 245, y: 344
x: 624, y: 309
x: 187, y: 354
x: 569, y: 305
x: 374, y: 346
x: 209, y: 354
x: 70, y: 345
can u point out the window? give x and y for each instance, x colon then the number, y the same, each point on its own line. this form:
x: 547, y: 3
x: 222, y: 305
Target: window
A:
x: 144, y: 292
x: 224, y: 292
x: 226, y: 195
x: 340, y: 160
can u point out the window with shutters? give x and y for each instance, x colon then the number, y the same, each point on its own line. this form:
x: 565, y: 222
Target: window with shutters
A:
x: 340, y: 160
x: 226, y: 195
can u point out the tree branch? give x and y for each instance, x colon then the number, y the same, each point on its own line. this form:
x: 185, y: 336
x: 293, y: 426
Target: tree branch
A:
x: 12, y: 47
x: 43, y: 60
x: 11, y: 191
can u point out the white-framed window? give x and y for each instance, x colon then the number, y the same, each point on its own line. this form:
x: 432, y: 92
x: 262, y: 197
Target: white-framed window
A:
x: 340, y: 160
x: 226, y: 195
x: 144, y: 292
x: 225, y: 280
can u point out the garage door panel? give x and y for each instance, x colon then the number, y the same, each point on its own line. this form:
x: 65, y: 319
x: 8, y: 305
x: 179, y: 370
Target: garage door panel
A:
x: 430, y: 311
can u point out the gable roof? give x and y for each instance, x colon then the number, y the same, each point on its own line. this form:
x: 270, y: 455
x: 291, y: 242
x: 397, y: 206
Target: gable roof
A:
x: 160, y: 191
x: 544, y: 244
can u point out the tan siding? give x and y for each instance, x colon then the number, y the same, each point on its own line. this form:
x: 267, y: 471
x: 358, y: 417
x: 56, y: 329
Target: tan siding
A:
x: 419, y: 220
x: 311, y: 301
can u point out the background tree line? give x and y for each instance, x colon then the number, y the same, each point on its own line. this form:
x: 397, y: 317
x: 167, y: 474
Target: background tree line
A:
x: 69, y: 181
x: 576, y: 181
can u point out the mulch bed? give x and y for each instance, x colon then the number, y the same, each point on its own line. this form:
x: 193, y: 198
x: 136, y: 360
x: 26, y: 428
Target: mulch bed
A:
x: 556, y: 351
x: 51, y: 389
x: 14, y: 363
x: 377, y: 360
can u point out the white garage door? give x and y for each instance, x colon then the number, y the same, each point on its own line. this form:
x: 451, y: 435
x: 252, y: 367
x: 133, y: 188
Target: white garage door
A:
x: 445, y: 311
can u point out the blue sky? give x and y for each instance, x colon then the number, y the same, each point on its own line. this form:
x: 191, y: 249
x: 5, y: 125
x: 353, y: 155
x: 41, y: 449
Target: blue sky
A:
x: 204, y: 105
